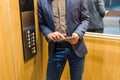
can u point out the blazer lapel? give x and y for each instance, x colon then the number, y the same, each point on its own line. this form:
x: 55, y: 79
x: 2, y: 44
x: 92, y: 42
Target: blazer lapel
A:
x: 49, y: 13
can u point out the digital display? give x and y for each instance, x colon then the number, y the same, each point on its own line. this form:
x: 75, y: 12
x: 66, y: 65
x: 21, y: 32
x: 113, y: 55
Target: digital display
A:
x: 26, y: 5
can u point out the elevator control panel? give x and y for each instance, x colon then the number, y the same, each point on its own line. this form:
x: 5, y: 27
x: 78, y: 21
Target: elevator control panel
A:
x: 29, y: 41
x: 28, y: 28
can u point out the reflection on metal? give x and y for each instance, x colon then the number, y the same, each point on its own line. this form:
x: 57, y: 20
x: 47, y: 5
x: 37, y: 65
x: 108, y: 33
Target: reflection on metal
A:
x: 112, y: 20
x: 112, y: 4
x: 119, y: 24
x: 27, y: 18
x: 112, y: 25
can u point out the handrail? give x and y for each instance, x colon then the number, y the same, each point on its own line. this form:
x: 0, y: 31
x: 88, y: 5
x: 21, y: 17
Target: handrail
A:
x: 105, y: 36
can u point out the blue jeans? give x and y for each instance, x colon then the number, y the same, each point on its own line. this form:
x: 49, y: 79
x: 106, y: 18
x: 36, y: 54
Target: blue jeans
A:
x: 56, y: 64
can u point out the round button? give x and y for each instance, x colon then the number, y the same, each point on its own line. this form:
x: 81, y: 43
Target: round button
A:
x: 29, y: 45
x: 28, y: 39
x: 33, y: 34
x: 28, y: 35
x: 28, y: 32
x: 29, y: 42
x: 33, y: 44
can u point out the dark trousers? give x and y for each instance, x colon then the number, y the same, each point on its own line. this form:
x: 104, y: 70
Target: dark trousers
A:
x: 56, y: 64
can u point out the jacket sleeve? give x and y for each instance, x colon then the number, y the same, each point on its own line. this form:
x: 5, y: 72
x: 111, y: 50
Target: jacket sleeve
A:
x: 43, y: 26
x: 101, y: 7
x: 84, y: 20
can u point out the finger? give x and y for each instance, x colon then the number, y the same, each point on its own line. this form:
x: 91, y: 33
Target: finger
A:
x: 54, y: 37
x: 64, y: 35
x: 59, y: 35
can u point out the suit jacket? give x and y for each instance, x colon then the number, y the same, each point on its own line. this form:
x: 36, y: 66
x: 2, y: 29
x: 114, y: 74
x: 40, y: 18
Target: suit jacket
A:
x: 76, y: 20
x: 96, y: 11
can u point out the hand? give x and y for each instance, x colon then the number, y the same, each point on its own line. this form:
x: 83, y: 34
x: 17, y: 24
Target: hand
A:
x: 74, y: 40
x: 54, y: 36
x: 106, y: 12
